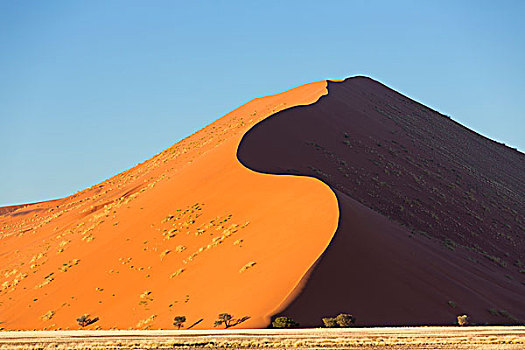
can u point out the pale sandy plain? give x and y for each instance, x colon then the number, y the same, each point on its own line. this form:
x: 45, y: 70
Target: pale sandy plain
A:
x: 352, y: 338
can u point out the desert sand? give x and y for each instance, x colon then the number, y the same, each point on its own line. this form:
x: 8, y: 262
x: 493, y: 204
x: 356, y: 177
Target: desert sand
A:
x: 189, y: 232
x: 432, y: 214
x: 335, y: 196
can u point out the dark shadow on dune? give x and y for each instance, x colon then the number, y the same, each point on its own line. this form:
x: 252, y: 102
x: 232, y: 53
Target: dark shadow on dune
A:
x: 240, y: 320
x: 91, y: 321
x: 196, y: 323
x: 425, y: 209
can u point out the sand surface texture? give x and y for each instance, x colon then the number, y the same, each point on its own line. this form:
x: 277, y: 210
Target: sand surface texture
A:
x: 331, y: 197
x: 431, y: 214
x: 189, y: 232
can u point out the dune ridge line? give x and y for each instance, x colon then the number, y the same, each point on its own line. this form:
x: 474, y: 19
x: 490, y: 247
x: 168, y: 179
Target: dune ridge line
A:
x: 190, y: 231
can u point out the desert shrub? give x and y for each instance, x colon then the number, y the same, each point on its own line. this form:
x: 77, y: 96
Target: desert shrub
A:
x: 345, y: 320
x: 463, y: 320
x: 330, y: 322
x: 223, y: 318
x: 284, y: 322
x: 341, y: 320
x: 247, y: 266
x: 178, y: 321
x: 83, y: 320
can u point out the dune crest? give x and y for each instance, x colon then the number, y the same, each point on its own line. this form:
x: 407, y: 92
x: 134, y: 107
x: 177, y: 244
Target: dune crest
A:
x: 332, y: 197
x: 189, y: 232
x: 431, y: 213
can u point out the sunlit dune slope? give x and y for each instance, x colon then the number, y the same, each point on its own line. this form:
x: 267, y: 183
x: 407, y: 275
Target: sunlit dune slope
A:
x: 432, y: 215
x: 189, y: 232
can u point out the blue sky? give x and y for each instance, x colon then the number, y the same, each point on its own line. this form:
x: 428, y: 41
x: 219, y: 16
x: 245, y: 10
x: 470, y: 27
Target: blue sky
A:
x: 91, y: 88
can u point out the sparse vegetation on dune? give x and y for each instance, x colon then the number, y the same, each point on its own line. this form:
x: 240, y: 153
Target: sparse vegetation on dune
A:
x: 415, y: 189
x: 284, y: 322
x: 247, y: 266
x: 86, y: 320
x: 223, y: 319
x: 330, y: 322
x: 154, y: 226
x: 178, y: 321
x: 341, y: 320
x: 463, y: 320
x: 169, y: 223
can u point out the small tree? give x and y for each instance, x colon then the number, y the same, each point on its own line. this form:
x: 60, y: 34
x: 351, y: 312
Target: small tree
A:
x: 284, y: 322
x: 178, y: 321
x: 330, y: 322
x: 83, y: 320
x: 463, y: 320
x: 223, y: 318
x: 345, y: 320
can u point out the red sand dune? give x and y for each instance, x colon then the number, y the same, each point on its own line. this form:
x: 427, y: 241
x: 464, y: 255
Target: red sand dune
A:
x: 424, y: 212
x: 170, y: 237
x: 431, y: 213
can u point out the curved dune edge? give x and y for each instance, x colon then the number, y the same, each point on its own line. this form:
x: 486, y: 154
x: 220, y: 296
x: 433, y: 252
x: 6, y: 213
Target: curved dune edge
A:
x: 291, y: 297
x: 374, y: 267
x: 299, y: 286
x: 302, y: 280
x: 104, y: 250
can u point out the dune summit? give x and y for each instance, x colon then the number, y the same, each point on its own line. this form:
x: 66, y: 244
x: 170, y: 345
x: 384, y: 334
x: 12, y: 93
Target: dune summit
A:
x: 431, y: 214
x: 330, y: 197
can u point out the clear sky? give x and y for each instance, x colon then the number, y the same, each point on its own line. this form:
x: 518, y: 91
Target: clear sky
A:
x: 90, y: 88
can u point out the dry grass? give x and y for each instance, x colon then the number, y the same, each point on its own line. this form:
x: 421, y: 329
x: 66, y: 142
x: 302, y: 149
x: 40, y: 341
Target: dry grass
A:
x: 247, y: 266
x: 356, y: 338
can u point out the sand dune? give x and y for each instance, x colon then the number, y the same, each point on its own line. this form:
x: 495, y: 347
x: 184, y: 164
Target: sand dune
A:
x: 190, y: 232
x: 330, y: 197
x: 432, y: 214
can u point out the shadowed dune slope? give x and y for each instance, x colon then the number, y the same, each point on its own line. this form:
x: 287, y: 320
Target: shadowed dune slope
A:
x: 431, y: 214
x: 189, y: 232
